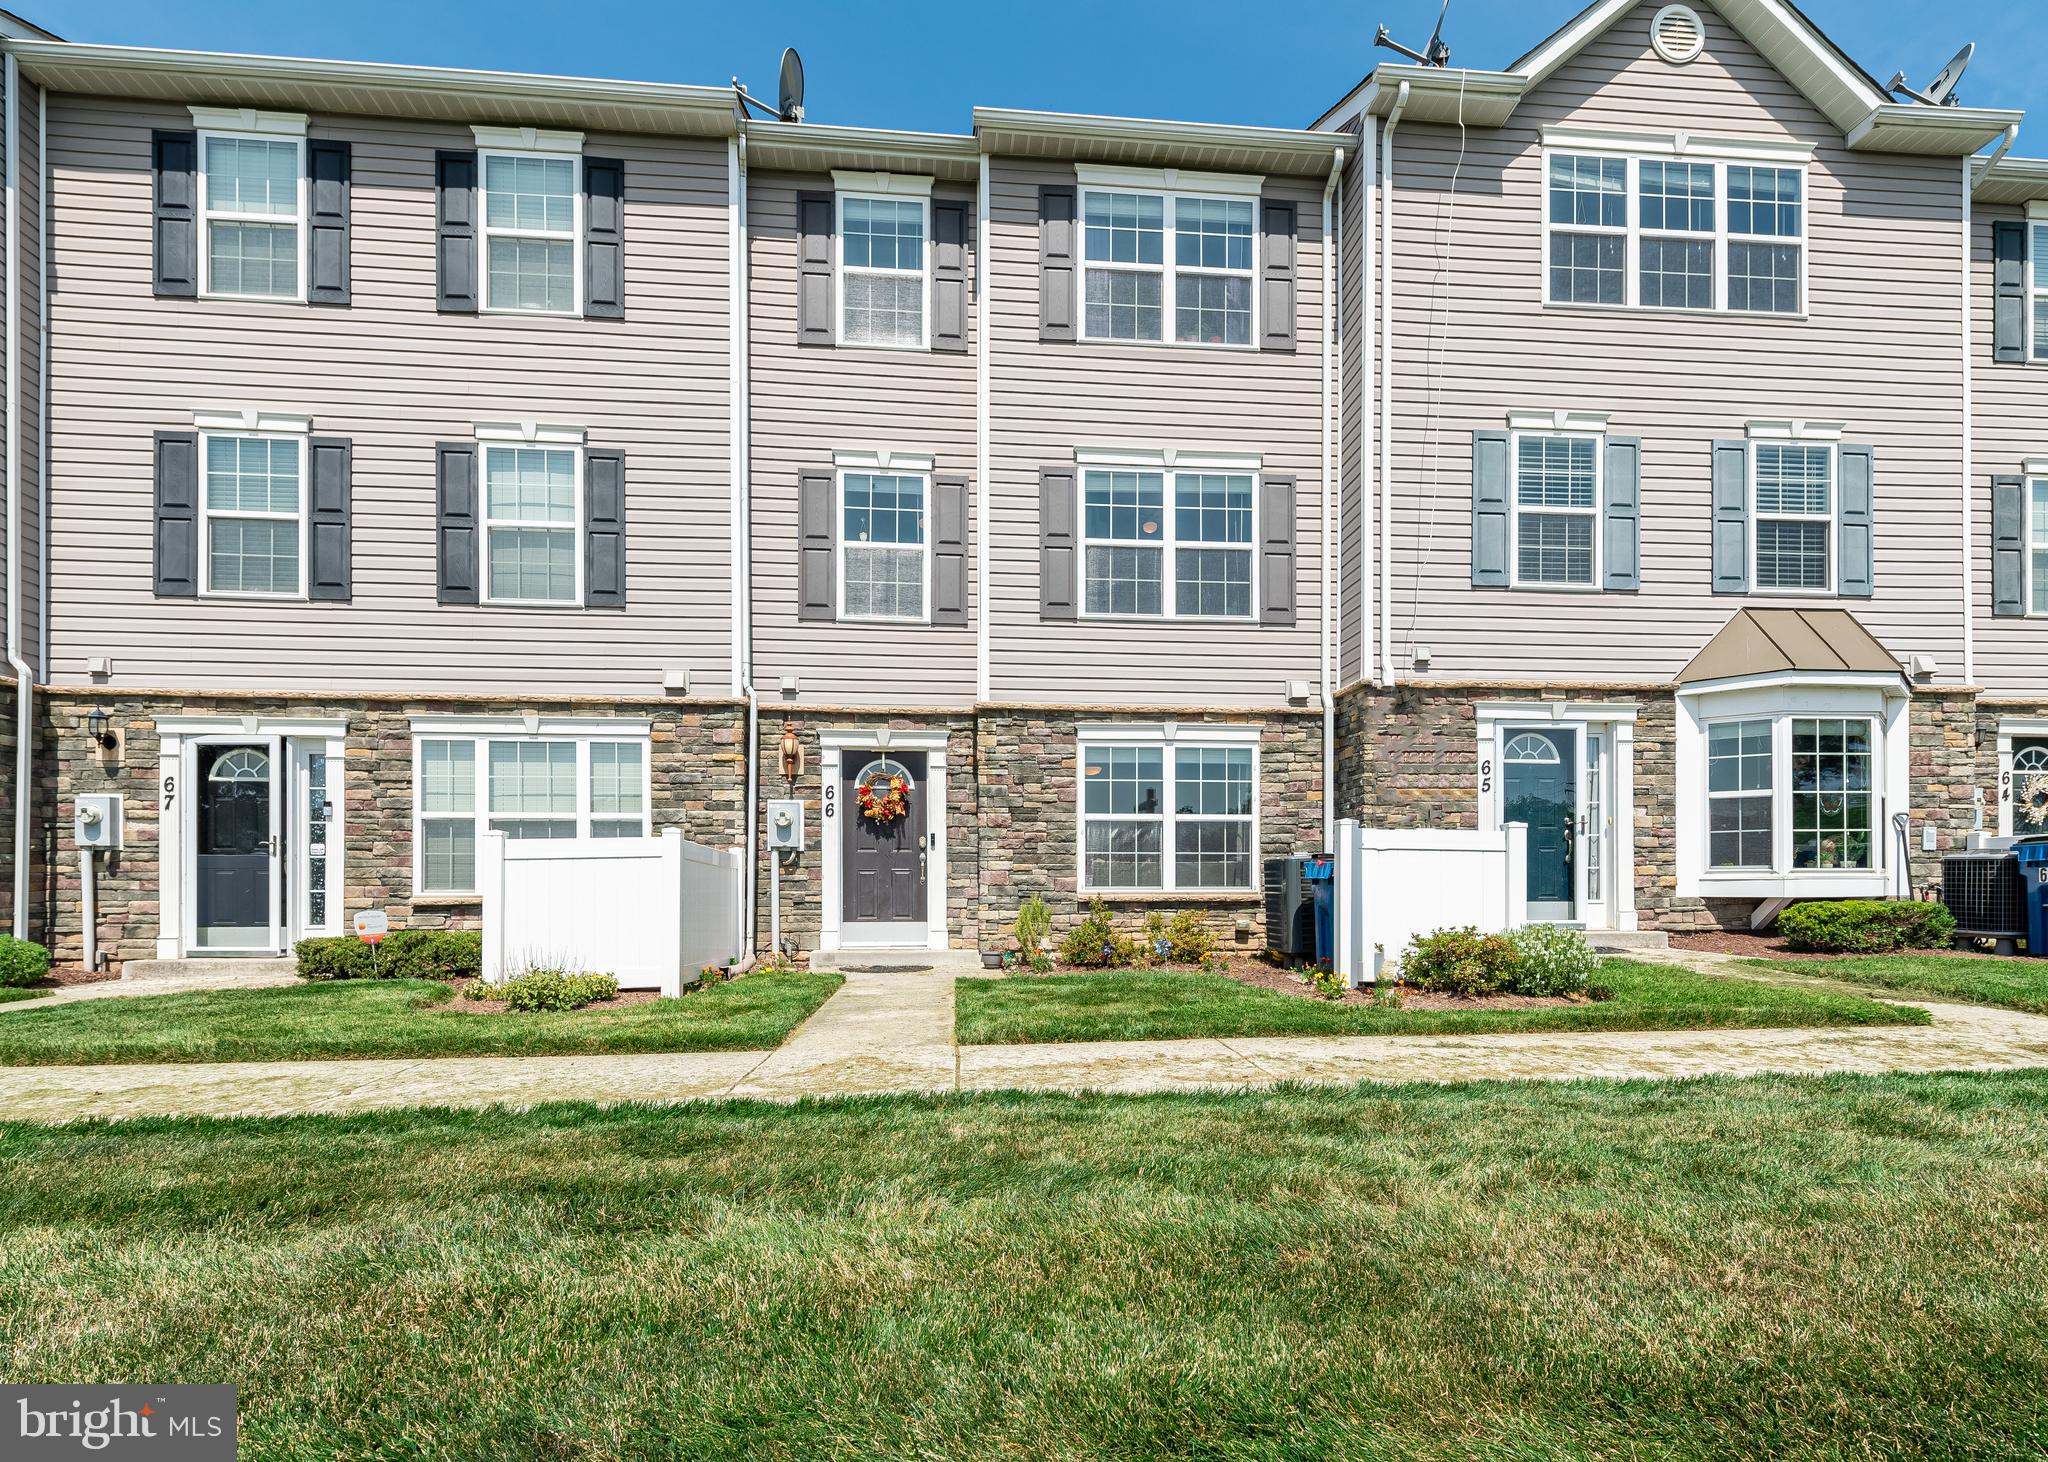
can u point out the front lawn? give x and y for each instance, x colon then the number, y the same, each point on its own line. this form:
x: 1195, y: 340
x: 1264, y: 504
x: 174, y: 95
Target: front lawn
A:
x: 2021, y: 984
x: 1140, y: 1005
x: 332, y: 1019
x: 1849, y: 1267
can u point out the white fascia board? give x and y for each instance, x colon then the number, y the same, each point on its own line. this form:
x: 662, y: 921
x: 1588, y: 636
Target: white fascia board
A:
x: 1168, y: 733
x: 528, y: 139
x: 883, y: 459
x: 529, y: 433
x: 252, y: 419
x: 1168, y: 457
x: 899, y: 185
x: 248, y: 119
x: 531, y: 725
x: 1887, y: 684
x: 1168, y: 180
x: 1660, y: 142
x: 2035, y: 467
x: 1592, y: 423
x: 1794, y: 431
x: 1597, y: 712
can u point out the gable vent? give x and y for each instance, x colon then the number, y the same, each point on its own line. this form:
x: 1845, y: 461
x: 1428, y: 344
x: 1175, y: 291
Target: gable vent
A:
x: 1677, y: 34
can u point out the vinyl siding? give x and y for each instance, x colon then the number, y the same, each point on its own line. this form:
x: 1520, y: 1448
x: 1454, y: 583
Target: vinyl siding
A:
x: 1474, y: 341
x: 2010, y: 416
x: 394, y: 376
x: 806, y: 403
x: 1047, y: 399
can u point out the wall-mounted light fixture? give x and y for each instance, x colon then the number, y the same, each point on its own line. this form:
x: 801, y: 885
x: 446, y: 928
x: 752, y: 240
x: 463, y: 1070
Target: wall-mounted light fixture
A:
x: 792, y: 753
x: 96, y: 730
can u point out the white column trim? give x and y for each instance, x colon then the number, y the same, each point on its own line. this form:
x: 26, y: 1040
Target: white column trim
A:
x: 829, y: 778
x: 170, y: 845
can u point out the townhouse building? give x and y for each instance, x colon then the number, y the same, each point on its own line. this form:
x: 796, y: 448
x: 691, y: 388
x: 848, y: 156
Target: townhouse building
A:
x: 1639, y: 442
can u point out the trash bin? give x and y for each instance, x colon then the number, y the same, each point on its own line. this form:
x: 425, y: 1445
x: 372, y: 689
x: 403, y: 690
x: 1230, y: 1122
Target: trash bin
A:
x: 1318, y: 877
x: 2033, y: 857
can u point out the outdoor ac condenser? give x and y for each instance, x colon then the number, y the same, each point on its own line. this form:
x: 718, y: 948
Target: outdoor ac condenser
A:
x: 1291, y: 898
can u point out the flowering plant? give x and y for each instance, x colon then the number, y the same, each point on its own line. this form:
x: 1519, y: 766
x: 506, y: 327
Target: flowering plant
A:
x: 883, y: 799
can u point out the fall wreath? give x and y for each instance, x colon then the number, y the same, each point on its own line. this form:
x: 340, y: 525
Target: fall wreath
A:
x: 883, y: 797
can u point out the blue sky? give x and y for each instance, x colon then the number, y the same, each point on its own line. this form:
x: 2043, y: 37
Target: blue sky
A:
x: 923, y: 66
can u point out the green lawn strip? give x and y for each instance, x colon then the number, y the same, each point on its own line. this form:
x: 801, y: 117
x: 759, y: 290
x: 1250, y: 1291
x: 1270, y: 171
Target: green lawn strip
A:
x: 365, y: 1018
x: 1137, y: 1005
x: 2021, y: 984
x: 12, y: 992
x: 1843, y: 1267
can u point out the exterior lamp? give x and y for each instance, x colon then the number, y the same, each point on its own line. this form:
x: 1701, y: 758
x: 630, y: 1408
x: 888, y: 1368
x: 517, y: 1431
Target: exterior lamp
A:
x: 792, y: 753
x: 96, y: 730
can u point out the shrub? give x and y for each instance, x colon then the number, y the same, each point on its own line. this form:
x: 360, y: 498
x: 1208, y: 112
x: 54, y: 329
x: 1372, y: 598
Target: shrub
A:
x: 1460, y: 962
x: 406, y: 954
x: 1034, y: 922
x: 1326, y: 982
x: 22, y: 962
x: 1183, y: 939
x: 1096, y: 944
x: 1866, y: 926
x: 1553, y: 961
x: 548, y: 990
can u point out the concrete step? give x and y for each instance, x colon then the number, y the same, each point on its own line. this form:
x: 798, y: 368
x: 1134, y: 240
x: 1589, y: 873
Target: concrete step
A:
x: 169, y: 969
x: 1627, y: 939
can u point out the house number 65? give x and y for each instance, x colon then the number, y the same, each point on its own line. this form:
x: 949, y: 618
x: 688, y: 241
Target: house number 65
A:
x: 1485, y: 774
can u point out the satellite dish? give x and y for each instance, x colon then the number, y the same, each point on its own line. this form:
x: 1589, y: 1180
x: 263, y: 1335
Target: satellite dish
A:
x: 1941, y: 92
x: 790, y: 101
x: 1436, y: 53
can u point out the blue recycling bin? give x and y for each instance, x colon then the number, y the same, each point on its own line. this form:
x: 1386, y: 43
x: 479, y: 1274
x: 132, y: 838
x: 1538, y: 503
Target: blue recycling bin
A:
x: 2033, y: 856
x: 1319, y: 876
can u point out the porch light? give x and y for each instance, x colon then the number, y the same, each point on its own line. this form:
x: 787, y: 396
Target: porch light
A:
x: 96, y: 730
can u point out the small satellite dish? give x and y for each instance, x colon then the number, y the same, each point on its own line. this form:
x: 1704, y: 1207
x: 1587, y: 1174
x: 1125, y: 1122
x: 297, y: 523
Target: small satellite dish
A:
x: 1941, y: 92
x: 790, y: 101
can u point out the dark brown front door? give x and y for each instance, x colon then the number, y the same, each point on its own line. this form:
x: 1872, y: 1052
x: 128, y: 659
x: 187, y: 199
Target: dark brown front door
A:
x: 885, y: 858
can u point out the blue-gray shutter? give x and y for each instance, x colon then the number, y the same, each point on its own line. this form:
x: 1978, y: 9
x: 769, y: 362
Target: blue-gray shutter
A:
x: 1492, y: 480
x: 2008, y: 546
x: 604, y: 240
x: 604, y: 529
x: 814, y: 324
x: 174, y: 204
x: 817, y: 532
x: 1276, y: 549
x: 1276, y: 274
x: 457, y: 528
x: 1621, y: 514
x: 949, y: 550
x: 1058, y: 551
x: 177, y: 514
x: 949, y: 276
x: 1059, y: 252
x: 1731, y: 517
x: 2009, y: 291
x: 455, y: 231
x: 331, y: 466
x: 1855, y: 576
x: 329, y: 164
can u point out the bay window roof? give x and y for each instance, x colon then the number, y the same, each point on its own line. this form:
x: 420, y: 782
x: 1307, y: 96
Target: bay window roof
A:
x: 1790, y: 641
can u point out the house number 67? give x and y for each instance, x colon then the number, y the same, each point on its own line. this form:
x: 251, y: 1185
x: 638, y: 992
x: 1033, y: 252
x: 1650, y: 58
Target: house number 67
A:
x: 170, y: 792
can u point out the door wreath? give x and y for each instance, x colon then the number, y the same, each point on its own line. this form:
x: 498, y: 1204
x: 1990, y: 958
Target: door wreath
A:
x: 883, y: 794
x: 2031, y: 800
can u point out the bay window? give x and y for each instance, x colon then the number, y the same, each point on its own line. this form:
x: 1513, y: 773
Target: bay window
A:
x: 525, y: 787
x: 1131, y: 543
x: 1154, y: 257
x: 1793, y: 794
x: 1164, y: 815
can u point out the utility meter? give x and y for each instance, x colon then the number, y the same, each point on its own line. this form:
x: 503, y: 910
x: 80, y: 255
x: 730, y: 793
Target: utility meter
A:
x: 786, y: 825
x: 96, y: 821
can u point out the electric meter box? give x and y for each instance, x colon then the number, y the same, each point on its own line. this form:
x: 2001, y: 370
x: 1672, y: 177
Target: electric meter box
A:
x: 96, y: 821
x: 786, y: 825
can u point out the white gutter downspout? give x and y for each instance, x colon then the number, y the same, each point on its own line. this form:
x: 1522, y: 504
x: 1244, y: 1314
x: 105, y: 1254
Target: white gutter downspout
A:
x: 982, y: 674
x: 1972, y: 178
x: 43, y: 379
x: 1331, y: 314
x: 1386, y: 483
x: 24, y: 678
x: 742, y: 537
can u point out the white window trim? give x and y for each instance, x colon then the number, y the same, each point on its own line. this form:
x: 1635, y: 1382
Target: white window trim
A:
x: 883, y: 193
x: 2032, y: 548
x: 1166, y: 738
x: 1782, y: 792
x: 574, y: 527
x: 263, y: 127
x: 207, y: 514
x: 1208, y: 187
x: 542, y: 145
x: 1826, y: 519
x: 2011, y: 732
x: 839, y: 476
x: 1593, y: 513
x: 1773, y: 792
x: 481, y: 733
x: 1169, y: 541
x: 2037, y: 226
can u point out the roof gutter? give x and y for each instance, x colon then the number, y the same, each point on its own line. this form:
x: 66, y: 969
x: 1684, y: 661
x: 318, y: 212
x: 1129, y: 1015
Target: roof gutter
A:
x: 1976, y: 170
x: 24, y: 678
x: 1386, y: 474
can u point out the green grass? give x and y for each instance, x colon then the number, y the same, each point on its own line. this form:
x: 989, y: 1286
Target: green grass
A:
x: 1135, y: 1005
x: 359, y: 1018
x: 13, y: 992
x: 2021, y: 984
x: 1838, y: 1268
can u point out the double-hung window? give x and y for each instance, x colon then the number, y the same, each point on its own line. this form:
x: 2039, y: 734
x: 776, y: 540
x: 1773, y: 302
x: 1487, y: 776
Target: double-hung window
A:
x: 1159, y: 816
x: 1589, y: 230
x: 1557, y: 510
x: 1793, y: 509
x: 2037, y: 285
x: 1766, y: 226
x: 1155, y: 260
x: 1739, y: 795
x: 1792, y: 794
x: 524, y: 787
x: 1132, y: 542
x: 251, y: 508
x: 253, y: 189
x: 532, y: 524
x: 885, y: 551
x: 532, y: 216
x: 1676, y: 247
x: 2037, y: 545
x: 883, y: 270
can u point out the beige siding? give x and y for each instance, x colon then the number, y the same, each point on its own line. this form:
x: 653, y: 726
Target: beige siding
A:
x: 1048, y: 399
x: 395, y: 377
x: 808, y: 402
x: 2010, y: 412
x: 1878, y: 351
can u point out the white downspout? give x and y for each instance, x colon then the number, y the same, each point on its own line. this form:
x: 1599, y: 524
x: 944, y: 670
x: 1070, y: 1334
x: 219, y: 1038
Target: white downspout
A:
x: 1330, y: 317
x: 24, y: 678
x: 742, y: 533
x: 43, y: 379
x: 1386, y: 484
x: 982, y: 674
x: 1971, y: 178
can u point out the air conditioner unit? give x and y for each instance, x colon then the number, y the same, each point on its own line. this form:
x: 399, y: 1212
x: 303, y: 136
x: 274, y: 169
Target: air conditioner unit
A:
x: 1297, y: 888
x: 1986, y: 894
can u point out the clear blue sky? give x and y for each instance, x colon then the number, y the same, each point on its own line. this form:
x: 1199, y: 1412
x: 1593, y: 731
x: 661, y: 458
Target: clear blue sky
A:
x: 922, y: 66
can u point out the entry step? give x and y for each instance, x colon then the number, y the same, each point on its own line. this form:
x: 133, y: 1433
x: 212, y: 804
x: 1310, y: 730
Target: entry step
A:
x: 1628, y: 939
x: 167, y: 969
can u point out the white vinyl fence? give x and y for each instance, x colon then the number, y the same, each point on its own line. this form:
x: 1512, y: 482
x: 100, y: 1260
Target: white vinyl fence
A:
x: 1391, y: 886
x: 651, y: 911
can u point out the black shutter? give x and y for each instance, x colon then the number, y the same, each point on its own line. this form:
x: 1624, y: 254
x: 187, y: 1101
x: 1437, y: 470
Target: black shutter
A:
x: 814, y: 270
x: 604, y: 530
x: 174, y: 198
x: 328, y: 168
x: 1059, y: 250
x: 1276, y: 274
x: 949, y: 276
x: 1731, y: 517
x: 327, y: 523
x: 604, y: 239
x: 1058, y: 552
x: 817, y: 531
x: 1621, y: 514
x: 2009, y: 291
x: 1276, y: 550
x: 1490, y: 510
x: 455, y: 239
x: 949, y: 550
x: 2008, y: 546
x: 457, y: 525
x: 1855, y: 575
x: 177, y: 514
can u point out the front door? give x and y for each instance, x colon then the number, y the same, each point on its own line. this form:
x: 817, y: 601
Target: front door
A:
x: 1541, y: 791
x: 235, y: 846
x: 883, y: 867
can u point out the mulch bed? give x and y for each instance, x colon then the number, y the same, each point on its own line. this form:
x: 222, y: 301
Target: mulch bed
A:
x: 463, y: 1005
x: 1772, y: 946
x: 1266, y: 976
x: 79, y: 975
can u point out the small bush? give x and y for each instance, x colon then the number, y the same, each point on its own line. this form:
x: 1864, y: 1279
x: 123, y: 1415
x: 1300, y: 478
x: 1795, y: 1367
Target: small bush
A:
x: 1034, y: 922
x: 1096, y: 944
x: 405, y: 954
x: 1326, y: 982
x: 1554, y: 961
x: 1183, y: 939
x: 1866, y: 926
x: 22, y: 963
x: 1460, y: 962
x: 548, y: 990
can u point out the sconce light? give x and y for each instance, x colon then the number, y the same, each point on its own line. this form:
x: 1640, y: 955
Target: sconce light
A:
x: 96, y: 730
x: 792, y: 753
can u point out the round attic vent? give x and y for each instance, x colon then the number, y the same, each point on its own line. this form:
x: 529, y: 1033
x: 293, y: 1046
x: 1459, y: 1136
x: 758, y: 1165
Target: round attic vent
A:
x: 1677, y: 34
